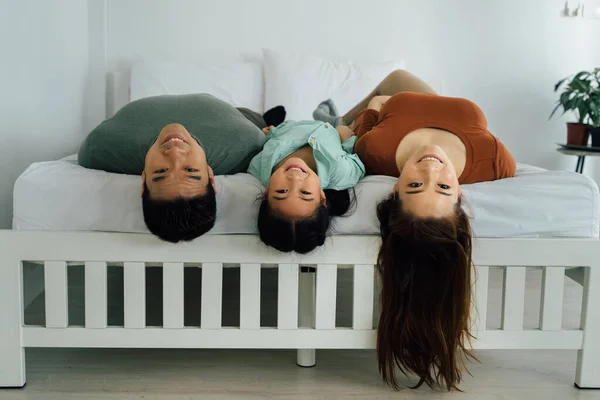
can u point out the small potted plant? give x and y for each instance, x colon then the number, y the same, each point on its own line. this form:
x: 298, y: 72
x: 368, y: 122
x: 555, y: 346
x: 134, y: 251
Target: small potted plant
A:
x: 581, y: 95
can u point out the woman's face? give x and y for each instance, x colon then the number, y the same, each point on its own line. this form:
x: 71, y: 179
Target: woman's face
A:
x: 295, y: 190
x: 428, y: 185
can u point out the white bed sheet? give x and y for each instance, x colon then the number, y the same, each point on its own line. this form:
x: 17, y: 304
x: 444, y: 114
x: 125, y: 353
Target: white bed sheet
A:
x: 62, y: 196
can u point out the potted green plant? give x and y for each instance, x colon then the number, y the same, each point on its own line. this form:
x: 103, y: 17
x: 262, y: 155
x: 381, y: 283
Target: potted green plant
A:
x: 581, y: 95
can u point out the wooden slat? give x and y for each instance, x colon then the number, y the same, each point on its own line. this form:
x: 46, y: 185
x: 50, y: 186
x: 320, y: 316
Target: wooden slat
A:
x: 553, y: 281
x: 212, y: 295
x: 377, y: 300
x: 134, y: 294
x: 306, y: 299
x: 479, y: 311
x: 95, y: 294
x: 287, y: 297
x: 250, y: 296
x: 55, y: 281
x: 362, y: 309
x: 513, y: 299
x: 326, y: 296
x: 173, y: 295
x: 12, y: 352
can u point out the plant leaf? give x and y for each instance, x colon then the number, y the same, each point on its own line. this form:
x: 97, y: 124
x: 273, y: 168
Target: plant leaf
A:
x: 577, y: 102
x: 584, y: 112
x: 554, y: 111
x: 580, y: 85
x: 557, y: 86
x: 564, y: 98
x: 570, y: 104
x: 595, y: 113
x: 581, y: 75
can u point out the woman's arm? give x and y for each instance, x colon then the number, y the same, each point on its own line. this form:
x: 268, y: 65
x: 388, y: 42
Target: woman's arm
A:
x: 348, y: 138
x: 377, y: 102
x: 368, y: 119
x: 345, y: 133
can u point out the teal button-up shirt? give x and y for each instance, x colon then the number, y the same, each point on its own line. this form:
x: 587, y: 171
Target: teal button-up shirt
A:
x: 337, y: 167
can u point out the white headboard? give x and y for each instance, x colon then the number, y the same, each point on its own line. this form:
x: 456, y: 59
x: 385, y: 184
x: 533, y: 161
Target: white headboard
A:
x: 117, y: 91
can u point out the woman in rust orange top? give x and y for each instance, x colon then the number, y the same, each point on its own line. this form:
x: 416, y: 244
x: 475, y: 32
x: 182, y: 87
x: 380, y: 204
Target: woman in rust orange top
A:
x: 393, y: 128
x: 432, y: 144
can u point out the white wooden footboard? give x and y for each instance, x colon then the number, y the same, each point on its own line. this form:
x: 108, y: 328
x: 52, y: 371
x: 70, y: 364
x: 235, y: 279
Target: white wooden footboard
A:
x: 306, y: 296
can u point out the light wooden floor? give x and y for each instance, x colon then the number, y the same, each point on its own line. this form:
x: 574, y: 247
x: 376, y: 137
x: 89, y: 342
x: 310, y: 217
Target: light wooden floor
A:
x: 54, y: 374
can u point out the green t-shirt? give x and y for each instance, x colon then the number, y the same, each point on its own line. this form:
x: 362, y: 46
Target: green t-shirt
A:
x: 120, y: 143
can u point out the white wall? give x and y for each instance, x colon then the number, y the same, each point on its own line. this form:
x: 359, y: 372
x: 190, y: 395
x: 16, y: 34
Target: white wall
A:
x: 55, y: 53
x: 42, y: 74
x: 506, y: 56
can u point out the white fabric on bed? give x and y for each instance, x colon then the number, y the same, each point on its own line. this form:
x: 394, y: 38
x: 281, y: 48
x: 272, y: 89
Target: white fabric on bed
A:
x: 300, y: 81
x: 60, y: 195
x: 238, y: 83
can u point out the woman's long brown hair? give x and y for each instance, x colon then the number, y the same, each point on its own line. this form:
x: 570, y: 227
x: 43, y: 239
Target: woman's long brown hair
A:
x: 425, y: 266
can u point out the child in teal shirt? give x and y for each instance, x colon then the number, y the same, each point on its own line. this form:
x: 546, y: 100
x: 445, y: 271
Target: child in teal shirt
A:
x: 307, y: 168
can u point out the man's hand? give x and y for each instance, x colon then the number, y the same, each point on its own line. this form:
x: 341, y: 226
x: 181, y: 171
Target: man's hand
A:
x: 377, y: 102
x: 267, y: 129
x: 345, y: 132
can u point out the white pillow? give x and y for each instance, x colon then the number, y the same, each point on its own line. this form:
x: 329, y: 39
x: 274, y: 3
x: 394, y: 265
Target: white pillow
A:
x: 236, y: 82
x: 300, y: 82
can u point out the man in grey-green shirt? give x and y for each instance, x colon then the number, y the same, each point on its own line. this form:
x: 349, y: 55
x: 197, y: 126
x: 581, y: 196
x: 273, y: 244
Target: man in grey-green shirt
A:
x: 177, y: 143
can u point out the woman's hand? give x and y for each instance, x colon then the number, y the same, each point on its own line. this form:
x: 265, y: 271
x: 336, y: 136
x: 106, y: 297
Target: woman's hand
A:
x: 345, y: 132
x: 377, y: 102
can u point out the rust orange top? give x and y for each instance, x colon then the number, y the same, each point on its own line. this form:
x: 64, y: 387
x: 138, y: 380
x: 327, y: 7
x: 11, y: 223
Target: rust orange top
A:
x: 380, y: 133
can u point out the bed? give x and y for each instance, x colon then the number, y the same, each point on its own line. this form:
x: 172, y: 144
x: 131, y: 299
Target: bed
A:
x: 65, y: 214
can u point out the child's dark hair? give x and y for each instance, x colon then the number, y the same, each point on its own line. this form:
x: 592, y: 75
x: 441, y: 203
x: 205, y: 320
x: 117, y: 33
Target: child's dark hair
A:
x: 304, y: 235
x: 180, y: 219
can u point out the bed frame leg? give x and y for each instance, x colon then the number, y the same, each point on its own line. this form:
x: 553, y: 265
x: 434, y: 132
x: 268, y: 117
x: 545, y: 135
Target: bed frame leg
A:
x: 587, y: 375
x: 306, y: 312
x: 12, y: 354
x: 306, y: 358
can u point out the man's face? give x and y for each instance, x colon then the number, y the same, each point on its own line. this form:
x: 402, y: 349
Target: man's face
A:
x: 176, y: 166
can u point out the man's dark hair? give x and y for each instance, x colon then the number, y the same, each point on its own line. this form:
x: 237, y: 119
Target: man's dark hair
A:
x: 180, y: 219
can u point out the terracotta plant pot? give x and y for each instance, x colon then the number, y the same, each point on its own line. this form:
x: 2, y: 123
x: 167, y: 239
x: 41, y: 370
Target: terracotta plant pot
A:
x: 577, y: 134
x: 595, y: 133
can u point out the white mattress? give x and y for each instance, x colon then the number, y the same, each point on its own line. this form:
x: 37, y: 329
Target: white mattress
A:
x: 62, y: 196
